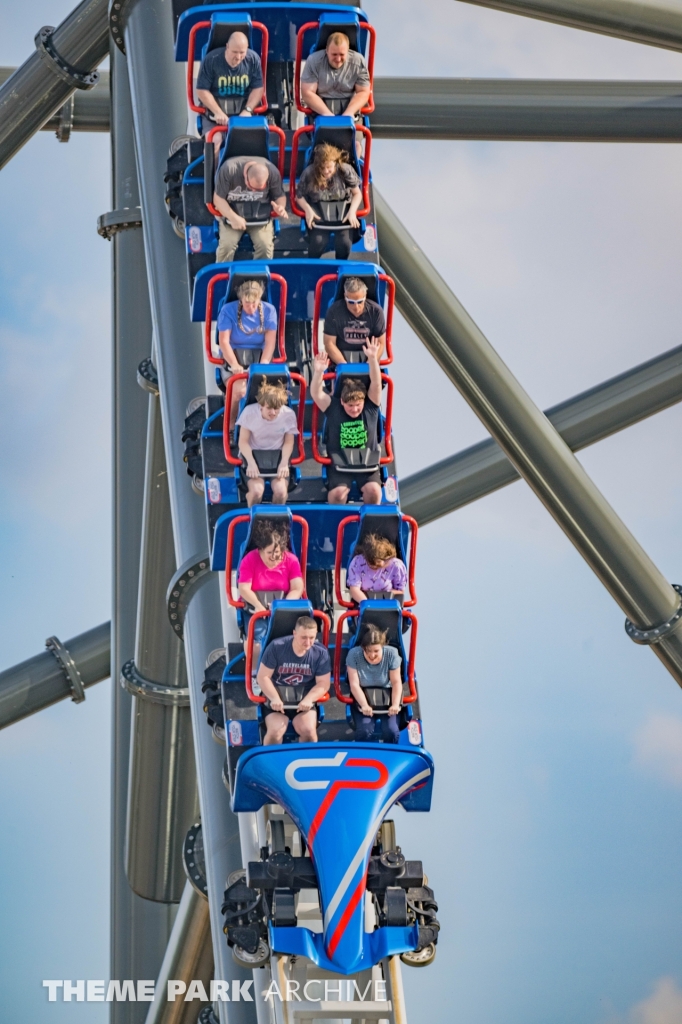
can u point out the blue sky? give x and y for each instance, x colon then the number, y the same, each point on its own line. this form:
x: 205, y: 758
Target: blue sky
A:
x: 555, y: 836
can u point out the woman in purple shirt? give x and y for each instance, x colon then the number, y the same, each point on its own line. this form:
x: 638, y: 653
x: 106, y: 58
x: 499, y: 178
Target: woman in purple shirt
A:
x: 376, y: 570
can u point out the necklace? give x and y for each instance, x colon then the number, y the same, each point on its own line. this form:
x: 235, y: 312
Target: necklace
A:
x: 256, y: 330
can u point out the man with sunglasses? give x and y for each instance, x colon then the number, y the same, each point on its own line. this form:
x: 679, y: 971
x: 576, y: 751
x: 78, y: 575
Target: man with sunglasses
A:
x: 351, y: 322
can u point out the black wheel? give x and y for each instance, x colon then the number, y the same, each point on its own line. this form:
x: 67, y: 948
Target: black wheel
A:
x: 420, y: 957
x: 249, y: 960
x: 276, y: 842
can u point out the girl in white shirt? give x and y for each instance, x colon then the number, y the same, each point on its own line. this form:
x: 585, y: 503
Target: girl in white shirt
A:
x: 268, y: 424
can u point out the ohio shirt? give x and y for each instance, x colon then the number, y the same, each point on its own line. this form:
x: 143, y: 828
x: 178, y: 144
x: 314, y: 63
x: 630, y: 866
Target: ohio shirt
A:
x: 351, y: 331
x: 225, y: 82
x: 251, y: 336
x: 267, y: 435
x: 292, y: 670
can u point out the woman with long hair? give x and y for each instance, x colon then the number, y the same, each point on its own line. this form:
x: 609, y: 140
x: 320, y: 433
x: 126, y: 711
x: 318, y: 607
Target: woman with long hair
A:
x: 247, y: 333
x: 330, y: 179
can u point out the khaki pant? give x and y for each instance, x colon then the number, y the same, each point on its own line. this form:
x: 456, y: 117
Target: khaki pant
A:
x: 262, y: 236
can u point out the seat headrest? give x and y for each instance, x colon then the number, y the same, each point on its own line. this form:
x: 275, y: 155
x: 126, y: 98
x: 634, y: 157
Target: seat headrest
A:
x: 274, y: 374
x: 352, y: 371
x: 331, y: 22
x: 251, y: 272
x: 385, y: 615
x: 222, y: 27
x: 247, y: 136
x: 283, y: 617
x: 385, y: 521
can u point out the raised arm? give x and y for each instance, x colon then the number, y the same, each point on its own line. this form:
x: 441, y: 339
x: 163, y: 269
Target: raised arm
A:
x: 372, y: 350
x: 320, y: 397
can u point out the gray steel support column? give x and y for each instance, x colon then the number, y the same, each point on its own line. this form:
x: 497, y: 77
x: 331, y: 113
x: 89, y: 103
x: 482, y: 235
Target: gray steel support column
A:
x: 189, y: 956
x: 603, y: 410
x: 527, y: 437
x: 162, y: 800
x: 40, y: 86
x: 40, y: 681
x: 527, y: 110
x: 160, y: 114
x: 654, y: 22
x: 139, y: 929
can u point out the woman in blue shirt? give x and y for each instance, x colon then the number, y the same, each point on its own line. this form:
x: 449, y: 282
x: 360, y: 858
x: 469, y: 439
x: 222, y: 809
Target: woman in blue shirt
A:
x: 247, y: 333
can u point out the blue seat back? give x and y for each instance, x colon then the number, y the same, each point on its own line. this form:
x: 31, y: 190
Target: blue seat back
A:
x: 283, y: 618
x: 383, y: 520
x: 368, y: 274
x: 250, y: 271
x: 222, y: 27
x: 274, y: 373
x: 331, y: 22
x: 246, y: 136
x: 385, y: 615
x: 274, y: 513
x: 337, y: 131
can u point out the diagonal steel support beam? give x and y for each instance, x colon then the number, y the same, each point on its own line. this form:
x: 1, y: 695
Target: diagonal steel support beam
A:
x: 589, y: 417
x: 530, y: 441
x: 64, y: 60
x: 654, y: 22
x: 527, y: 110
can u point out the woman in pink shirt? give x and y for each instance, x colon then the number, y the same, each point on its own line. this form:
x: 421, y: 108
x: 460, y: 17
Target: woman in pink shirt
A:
x: 268, y: 572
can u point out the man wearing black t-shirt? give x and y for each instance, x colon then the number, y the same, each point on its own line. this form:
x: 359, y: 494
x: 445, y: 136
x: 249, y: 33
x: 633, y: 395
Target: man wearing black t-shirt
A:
x: 300, y: 662
x: 230, y: 82
x: 352, y: 422
x: 351, y: 322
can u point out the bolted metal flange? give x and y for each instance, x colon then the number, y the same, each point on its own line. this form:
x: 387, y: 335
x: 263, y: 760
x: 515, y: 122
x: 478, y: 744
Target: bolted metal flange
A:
x: 188, y: 579
x: 68, y: 667
x: 109, y: 224
x: 147, y: 377
x: 655, y: 633
x: 194, y: 861
x: 60, y: 67
x: 135, y: 683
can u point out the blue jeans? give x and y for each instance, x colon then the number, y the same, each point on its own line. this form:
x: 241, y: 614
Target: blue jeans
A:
x: 364, y: 726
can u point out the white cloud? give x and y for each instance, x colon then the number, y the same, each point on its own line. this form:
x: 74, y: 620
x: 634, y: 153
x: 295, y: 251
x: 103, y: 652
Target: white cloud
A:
x: 664, y: 1005
x: 658, y: 747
